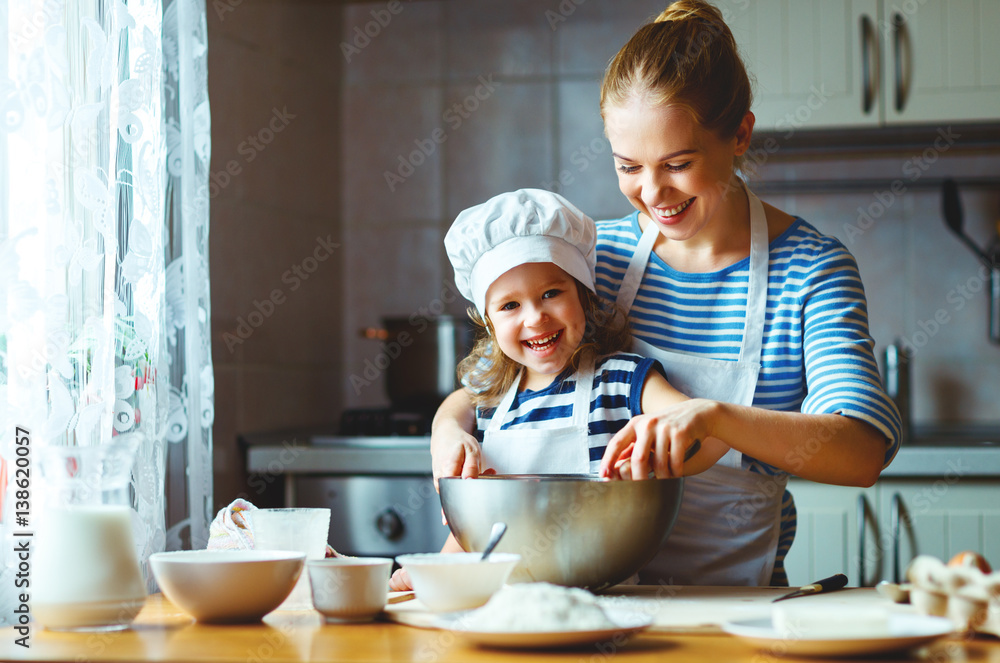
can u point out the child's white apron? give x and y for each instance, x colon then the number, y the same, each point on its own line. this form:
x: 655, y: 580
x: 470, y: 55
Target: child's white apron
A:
x: 547, y: 451
x: 727, y: 530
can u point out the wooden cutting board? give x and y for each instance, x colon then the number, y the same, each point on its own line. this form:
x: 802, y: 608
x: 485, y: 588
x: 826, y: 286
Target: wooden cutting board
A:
x: 678, y: 609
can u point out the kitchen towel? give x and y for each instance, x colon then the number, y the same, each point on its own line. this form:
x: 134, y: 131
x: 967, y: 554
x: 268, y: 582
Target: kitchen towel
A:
x: 230, y: 529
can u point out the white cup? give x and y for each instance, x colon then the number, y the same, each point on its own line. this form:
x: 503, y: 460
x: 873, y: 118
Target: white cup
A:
x: 350, y: 589
x: 300, y: 530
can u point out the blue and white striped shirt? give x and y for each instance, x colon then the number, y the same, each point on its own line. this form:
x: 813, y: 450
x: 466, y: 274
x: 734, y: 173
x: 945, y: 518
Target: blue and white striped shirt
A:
x: 616, y: 396
x: 817, y: 355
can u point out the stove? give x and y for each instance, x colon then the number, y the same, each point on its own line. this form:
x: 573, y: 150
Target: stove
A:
x: 386, y: 421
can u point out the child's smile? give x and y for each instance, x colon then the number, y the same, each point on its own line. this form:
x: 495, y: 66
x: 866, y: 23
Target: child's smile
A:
x: 537, y: 318
x: 543, y: 343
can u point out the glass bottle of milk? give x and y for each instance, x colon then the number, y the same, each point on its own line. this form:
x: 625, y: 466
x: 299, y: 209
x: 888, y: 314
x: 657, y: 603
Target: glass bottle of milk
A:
x: 85, y: 574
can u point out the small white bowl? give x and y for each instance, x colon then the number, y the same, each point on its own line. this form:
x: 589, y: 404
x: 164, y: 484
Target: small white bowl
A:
x: 445, y: 582
x: 227, y: 585
x: 350, y: 589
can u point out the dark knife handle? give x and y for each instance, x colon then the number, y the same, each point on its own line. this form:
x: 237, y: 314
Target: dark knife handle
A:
x: 838, y: 581
x: 692, y: 450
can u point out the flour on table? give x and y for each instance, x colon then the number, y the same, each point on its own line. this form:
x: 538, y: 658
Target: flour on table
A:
x: 539, y: 607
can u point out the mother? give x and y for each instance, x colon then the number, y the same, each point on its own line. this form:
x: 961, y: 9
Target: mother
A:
x: 751, y: 311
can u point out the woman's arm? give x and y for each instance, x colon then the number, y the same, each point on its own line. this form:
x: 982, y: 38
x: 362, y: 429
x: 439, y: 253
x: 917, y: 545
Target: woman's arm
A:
x: 454, y: 450
x: 848, y: 428
x: 828, y: 448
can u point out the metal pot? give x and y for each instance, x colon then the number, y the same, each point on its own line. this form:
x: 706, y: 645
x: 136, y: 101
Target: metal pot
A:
x: 421, y: 355
x: 572, y: 529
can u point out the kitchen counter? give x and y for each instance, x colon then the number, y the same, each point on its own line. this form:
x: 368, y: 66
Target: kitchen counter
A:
x: 164, y: 633
x: 976, y: 453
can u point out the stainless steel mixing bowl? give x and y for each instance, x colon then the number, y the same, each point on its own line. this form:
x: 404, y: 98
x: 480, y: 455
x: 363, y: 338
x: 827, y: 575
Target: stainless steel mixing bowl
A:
x: 573, y: 530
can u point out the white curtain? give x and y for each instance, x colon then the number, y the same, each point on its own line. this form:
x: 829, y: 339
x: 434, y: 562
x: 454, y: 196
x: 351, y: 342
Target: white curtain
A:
x: 104, y: 288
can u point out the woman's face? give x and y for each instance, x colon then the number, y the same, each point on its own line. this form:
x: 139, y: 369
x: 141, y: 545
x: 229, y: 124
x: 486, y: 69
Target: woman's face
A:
x: 670, y: 168
x: 538, y: 319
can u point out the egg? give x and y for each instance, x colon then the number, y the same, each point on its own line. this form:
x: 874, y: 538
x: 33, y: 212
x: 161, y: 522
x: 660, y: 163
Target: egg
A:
x: 970, y: 559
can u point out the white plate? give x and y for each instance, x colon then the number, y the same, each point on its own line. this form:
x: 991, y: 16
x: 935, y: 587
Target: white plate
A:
x: 905, y: 632
x: 626, y: 623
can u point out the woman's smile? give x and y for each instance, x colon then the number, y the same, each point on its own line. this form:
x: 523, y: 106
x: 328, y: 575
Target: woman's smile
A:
x: 671, y: 215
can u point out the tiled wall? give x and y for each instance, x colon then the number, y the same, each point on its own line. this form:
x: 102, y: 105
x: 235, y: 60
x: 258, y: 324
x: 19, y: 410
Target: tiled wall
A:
x: 500, y: 96
x: 458, y: 101
x: 925, y: 288
x: 274, y: 71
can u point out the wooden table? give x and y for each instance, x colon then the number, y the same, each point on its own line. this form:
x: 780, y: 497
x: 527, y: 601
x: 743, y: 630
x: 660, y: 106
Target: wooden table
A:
x: 163, y: 633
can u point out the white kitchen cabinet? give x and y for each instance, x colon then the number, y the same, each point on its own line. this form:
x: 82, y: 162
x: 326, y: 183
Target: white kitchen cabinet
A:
x: 937, y: 516
x: 942, y: 61
x: 940, y: 518
x: 868, y: 63
x: 807, y: 61
x: 828, y: 536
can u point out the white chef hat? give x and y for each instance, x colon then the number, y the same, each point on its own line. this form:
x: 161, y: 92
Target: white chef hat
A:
x: 524, y: 226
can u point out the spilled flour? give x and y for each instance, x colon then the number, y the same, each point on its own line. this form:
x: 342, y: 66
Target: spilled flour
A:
x: 539, y: 607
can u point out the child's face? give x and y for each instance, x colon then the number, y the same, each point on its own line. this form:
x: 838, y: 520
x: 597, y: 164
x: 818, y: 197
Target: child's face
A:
x: 538, y: 319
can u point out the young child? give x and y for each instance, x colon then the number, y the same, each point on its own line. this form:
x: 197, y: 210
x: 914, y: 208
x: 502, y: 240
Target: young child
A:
x: 548, y: 374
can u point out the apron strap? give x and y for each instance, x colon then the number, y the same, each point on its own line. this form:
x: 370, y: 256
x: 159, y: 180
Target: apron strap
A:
x: 581, y: 397
x: 584, y: 385
x: 637, y: 267
x: 753, y: 333
x: 504, y: 406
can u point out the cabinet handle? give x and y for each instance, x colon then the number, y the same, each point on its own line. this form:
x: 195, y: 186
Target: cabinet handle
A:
x: 869, y: 65
x: 864, y: 515
x: 897, y: 512
x: 901, y: 47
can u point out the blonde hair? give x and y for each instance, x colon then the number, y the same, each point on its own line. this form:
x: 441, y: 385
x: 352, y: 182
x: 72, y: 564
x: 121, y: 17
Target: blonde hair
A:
x: 488, y: 373
x: 687, y: 57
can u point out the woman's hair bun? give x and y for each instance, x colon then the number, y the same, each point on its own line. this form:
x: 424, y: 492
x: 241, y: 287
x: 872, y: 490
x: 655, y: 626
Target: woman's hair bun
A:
x: 687, y: 58
x: 693, y: 9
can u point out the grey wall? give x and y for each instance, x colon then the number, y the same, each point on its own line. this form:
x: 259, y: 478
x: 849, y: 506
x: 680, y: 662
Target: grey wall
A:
x: 276, y: 308
x: 459, y: 101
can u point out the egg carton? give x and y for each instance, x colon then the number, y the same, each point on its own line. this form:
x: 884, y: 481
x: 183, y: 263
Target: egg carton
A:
x: 966, y: 595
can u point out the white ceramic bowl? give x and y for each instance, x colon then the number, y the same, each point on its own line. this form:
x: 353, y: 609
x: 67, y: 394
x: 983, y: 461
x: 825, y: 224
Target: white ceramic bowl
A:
x: 227, y: 585
x: 349, y: 589
x: 457, y: 581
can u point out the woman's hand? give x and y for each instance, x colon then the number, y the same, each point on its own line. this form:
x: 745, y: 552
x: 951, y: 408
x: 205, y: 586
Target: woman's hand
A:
x: 400, y: 581
x: 658, y: 443
x: 454, y: 450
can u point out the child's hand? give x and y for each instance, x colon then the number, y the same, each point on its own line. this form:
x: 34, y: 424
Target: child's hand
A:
x: 622, y: 468
x: 400, y: 581
x: 454, y: 453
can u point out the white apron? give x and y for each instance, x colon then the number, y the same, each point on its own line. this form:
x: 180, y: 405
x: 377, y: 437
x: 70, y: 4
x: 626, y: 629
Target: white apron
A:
x: 729, y: 522
x: 542, y: 451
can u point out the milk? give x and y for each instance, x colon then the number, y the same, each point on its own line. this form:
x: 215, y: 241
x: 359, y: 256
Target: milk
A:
x: 85, y: 572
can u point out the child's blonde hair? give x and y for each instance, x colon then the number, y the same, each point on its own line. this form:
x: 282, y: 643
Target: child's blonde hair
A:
x: 488, y: 373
